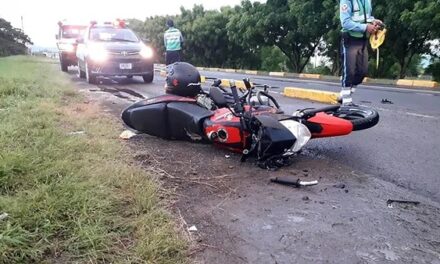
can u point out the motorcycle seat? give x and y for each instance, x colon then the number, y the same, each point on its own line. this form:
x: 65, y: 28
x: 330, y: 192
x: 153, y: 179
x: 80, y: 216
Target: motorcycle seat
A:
x: 218, y: 97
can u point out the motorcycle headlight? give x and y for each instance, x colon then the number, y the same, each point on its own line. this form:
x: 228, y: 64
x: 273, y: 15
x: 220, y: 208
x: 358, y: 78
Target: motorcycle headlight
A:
x: 97, y: 53
x: 147, y: 52
x: 300, y: 131
x: 66, y: 47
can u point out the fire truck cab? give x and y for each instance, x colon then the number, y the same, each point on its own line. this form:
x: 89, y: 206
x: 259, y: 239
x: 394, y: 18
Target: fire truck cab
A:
x: 67, y: 36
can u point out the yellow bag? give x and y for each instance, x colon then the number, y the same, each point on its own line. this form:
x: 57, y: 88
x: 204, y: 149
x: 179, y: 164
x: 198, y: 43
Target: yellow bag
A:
x: 376, y: 40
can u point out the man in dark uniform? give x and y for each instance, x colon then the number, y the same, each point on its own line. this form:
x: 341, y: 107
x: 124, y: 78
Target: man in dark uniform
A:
x: 357, y: 26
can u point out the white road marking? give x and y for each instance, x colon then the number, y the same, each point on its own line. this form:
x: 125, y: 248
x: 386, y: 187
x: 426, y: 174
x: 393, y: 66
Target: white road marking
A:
x: 428, y: 94
x: 407, y: 113
x: 420, y: 115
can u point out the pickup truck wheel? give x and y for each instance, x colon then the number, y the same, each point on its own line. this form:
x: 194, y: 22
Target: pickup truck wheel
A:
x: 64, y: 66
x: 81, y: 74
x: 148, y: 78
x: 90, y: 77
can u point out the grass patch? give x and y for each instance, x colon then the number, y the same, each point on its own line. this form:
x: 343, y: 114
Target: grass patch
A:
x: 71, y: 198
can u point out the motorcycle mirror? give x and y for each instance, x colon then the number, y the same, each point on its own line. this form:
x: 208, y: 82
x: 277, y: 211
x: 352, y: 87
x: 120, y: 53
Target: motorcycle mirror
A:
x: 247, y: 83
x: 217, y: 82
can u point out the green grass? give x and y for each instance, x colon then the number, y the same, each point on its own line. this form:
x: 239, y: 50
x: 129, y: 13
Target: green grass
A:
x: 72, y: 198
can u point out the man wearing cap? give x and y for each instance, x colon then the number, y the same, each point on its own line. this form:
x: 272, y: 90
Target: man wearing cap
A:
x: 357, y: 25
x: 173, y: 40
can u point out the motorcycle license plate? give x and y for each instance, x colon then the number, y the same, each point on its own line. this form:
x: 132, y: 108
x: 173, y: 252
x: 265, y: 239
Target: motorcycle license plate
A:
x: 125, y: 66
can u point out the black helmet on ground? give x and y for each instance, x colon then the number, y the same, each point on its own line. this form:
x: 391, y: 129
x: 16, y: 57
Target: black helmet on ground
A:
x: 183, y: 79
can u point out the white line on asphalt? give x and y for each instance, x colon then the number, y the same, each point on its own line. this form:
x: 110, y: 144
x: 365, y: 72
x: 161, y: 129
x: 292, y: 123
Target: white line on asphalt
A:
x: 424, y: 94
x: 420, y: 115
x: 408, y: 113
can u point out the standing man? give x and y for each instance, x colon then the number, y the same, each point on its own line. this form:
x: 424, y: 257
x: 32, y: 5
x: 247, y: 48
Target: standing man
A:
x: 173, y: 40
x: 357, y: 26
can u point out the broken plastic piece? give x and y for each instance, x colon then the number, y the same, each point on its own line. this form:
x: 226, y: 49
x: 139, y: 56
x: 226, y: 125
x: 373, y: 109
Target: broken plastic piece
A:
x: 386, y: 101
x: 391, y: 201
x: 127, y: 134
x: 76, y: 133
x: 192, y: 228
x: 3, y: 216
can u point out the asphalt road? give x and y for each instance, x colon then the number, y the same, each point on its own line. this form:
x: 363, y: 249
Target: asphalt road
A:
x: 404, y: 148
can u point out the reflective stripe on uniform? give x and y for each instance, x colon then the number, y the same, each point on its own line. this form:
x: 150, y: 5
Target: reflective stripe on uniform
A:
x: 344, y: 51
x: 172, y: 38
x: 356, y: 11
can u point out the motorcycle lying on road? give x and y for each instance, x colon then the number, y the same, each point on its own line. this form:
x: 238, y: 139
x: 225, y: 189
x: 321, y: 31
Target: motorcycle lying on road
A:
x: 252, y: 123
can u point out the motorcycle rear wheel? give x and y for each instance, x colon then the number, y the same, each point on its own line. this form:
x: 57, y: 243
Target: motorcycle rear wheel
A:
x: 361, y: 117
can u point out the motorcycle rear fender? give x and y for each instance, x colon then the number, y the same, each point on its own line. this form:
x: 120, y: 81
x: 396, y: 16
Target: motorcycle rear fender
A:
x: 324, y: 125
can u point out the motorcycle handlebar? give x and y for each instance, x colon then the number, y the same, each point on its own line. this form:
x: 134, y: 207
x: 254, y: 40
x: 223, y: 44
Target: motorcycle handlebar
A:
x: 265, y: 86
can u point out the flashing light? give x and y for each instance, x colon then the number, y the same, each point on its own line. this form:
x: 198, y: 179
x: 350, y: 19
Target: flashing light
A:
x: 119, y: 23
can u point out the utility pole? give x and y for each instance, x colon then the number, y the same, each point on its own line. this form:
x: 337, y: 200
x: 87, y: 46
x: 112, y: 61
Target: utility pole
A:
x: 22, y: 24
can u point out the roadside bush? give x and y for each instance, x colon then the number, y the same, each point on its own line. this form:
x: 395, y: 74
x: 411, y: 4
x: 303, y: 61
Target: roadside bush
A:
x: 434, y: 70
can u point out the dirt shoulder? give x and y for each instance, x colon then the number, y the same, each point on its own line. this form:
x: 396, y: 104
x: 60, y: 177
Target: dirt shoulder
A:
x: 69, y: 192
x: 242, y: 218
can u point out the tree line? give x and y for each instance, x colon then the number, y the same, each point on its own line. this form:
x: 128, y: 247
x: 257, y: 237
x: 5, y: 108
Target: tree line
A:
x: 12, y: 40
x: 283, y: 35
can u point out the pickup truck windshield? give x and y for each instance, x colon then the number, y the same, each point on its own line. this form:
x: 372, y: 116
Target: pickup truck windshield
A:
x: 113, y: 35
x: 72, y: 31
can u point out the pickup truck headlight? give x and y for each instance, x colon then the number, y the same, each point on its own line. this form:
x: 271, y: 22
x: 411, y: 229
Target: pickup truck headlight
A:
x: 147, y: 52
x: 97, y: 53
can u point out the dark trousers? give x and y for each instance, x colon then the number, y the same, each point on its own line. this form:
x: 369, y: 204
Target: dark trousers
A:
x: 172, y: 56
x: 354, y: 60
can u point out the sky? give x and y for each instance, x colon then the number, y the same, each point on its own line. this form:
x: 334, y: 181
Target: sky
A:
x: 40, y: 17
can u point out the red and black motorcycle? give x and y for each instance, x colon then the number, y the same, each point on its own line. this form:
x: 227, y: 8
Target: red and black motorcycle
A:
x: 250, y: 123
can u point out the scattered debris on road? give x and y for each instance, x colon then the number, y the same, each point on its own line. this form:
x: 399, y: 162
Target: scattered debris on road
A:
x: 294, y: 183
x: 227, y: 156
x: 127, y: 134
x: 3, y: 216
x: 386, y: 101
x: 339, y: 186
x: 192, y: 228
x: 391, y: 201
x: 73, y: 133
